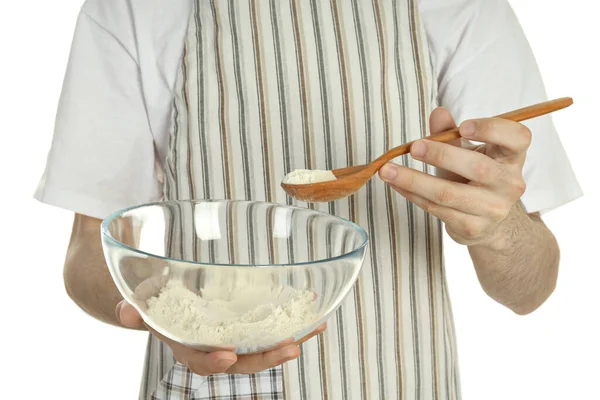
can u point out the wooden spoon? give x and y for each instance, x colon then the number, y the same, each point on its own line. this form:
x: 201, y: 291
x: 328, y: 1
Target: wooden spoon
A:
x: 350, y: 179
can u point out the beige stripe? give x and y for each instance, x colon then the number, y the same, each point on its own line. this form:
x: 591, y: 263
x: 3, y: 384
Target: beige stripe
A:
x: 309, y: 130
x: 451, y: 376
x: 346, y: 85
x: 392, y: 211
x: 265, y: 121
x: 259, y: 59
x: 300, y: 51
x: 422, y: 108
x: 301, y: 67
x: 397, y: 271
x: 398, y: 309
x: 286, y: 383
x: 225, y: 129
x: 362, y: 338
x: 314, y: 241
x: 363, y: 328
x: 355, y: 206
x: 349, y: 119
x: 351, y: 137
x: 450, y: 369
x: 317, y: 30
x: 324, y: 362
x: 190, y: 160
x: 223, y: 105
x: 265, y: 98
x: 433, y: 304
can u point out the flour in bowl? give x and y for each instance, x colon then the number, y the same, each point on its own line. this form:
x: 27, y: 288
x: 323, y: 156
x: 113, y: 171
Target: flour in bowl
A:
x: 248, y: 316
x: 304, y: 176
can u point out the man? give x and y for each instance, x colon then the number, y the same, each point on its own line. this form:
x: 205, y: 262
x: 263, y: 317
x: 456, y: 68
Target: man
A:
x: 220, y: 99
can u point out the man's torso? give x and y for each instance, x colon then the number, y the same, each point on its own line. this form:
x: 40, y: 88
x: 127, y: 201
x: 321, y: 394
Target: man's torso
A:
x: 266, y: 87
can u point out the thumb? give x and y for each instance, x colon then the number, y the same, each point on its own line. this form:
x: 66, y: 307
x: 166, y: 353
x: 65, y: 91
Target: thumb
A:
x: 128, y: 316
x: 441, y: 120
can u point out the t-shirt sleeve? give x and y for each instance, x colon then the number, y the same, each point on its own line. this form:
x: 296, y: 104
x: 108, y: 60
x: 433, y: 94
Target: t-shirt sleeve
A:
x: 484, y: 67
x: 102, y: 156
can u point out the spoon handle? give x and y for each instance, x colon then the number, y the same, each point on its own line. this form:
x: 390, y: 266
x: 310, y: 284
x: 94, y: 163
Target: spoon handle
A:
x: 519, y: 115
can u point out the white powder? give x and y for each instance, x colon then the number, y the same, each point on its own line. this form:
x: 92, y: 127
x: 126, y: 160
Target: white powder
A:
x: 250, y: 316
x: 303, y: 176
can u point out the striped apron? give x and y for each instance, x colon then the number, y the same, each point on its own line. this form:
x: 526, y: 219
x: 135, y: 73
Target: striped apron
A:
x: 268, y: 86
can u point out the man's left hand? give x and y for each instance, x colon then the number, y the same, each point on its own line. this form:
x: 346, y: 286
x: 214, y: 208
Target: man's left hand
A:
x: 478, y: 185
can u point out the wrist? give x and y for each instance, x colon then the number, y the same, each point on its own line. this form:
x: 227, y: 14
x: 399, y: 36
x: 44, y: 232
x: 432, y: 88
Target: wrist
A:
x: 515, y: 227
x: 503, y: 237
x: 500, y: 240
x: 497, y: 242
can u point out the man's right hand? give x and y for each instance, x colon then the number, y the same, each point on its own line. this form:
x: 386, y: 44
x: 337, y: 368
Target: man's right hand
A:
x: 202, y: 363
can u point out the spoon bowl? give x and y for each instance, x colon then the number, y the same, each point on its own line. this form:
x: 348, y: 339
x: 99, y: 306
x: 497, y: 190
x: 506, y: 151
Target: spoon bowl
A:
x: 351, y: 179
x: 344, y: 186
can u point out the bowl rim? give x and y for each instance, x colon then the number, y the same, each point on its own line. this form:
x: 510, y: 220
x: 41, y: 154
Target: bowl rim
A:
x: 105, y: 233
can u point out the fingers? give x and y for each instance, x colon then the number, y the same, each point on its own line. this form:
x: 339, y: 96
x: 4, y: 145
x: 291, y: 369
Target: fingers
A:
x: 471, y: 227
x: 469, y: 164
x: 440, y: 192
x: 512, y: 138
x: 441, y: 120
x: 199, y: 362
x: 253, y: 363
x: 443, y: 213
x: 128, y: 316
x: 206, y: 364
x: 472, y: 208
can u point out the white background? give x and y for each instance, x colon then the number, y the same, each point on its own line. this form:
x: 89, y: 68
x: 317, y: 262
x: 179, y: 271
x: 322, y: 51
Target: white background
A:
x: 51, y: 349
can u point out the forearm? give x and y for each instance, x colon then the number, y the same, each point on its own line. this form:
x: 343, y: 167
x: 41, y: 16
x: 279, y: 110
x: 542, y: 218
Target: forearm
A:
x: 86, y: 276
x: 518, y: 267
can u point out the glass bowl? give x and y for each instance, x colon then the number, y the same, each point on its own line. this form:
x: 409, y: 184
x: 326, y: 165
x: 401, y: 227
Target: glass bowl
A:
x: 235, y: 275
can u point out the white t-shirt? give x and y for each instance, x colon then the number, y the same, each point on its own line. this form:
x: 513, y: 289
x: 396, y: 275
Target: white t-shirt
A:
x: 113, y: 119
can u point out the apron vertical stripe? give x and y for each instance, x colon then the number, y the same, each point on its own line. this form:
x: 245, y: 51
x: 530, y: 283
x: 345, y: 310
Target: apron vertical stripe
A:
x: 281, y: 88
x: 348, y: 128
x: 423, y: 118
x: 371, y: 154
x: 391, y: 204
x: 240, y: 85
x: 258, y: 59
x: 315, y: 14
x: 304, y: 85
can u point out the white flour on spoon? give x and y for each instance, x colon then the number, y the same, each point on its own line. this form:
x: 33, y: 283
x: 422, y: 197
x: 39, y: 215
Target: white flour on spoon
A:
x: 304, y: 176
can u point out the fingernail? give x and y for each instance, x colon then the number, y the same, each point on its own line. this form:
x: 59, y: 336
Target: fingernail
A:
x: 118, y: 310
x: 225, y: 363
x: 388, y: 172
x: 468, y: 128
x: 418, y: 149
